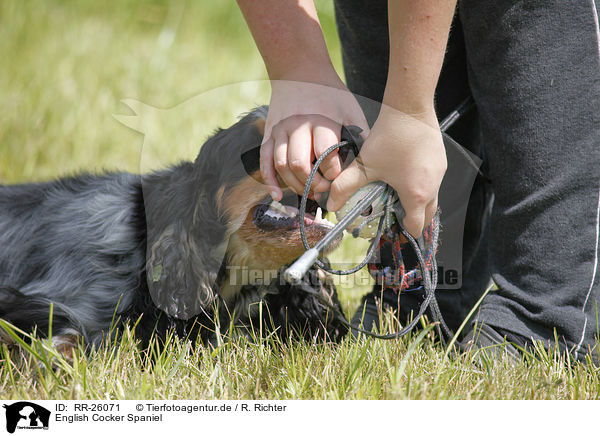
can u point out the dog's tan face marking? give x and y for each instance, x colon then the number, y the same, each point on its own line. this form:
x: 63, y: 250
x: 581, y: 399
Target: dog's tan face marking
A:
x: 236, y: 204
x: 272, y: 249
x: 260, y: 125
x: 254, y: 244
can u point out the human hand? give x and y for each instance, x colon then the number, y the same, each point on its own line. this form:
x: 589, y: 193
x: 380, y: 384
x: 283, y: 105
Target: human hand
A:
x: 405, y: 151
x: 304, y: 120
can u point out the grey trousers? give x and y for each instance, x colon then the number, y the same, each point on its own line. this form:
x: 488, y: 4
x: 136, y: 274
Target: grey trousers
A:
x: 533, y: 68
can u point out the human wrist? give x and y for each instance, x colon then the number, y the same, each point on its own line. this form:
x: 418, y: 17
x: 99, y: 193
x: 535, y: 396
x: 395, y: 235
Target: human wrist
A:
x: 305, y: 69
x: 402, y: 107
x: 405, y: 92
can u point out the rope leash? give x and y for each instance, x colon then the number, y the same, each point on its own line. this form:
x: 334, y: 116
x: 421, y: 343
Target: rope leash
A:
x: 429, y: 301
x: 389, y: 230
x: 427, y: 264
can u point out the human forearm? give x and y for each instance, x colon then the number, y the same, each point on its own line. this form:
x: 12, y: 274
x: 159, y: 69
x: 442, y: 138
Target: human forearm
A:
x: 405, y: 147
x: 309, y: 102
x: 289, y: 37
x: 418, y: 36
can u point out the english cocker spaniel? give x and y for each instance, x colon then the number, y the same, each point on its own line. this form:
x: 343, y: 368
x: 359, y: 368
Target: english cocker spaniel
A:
x: 195, y: 248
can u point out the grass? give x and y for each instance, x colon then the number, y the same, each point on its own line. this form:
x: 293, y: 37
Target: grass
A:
x: 412, y: 368
x: 66, y: 67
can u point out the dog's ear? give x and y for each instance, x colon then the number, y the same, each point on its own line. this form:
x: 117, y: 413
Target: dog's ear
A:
x: 185, y: 243
x: 187, y: 233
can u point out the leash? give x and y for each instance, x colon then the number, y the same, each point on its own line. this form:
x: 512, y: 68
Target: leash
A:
x: 383, y: 203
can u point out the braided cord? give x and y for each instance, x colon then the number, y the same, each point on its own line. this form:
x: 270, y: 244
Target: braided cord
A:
x: 302, y: 211
x: 428, y: 275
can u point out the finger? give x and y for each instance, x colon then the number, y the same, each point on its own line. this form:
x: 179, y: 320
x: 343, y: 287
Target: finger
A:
x: 300, y: 158
x: 417, y: 209
x: 414, y: 220
x: 347, y: 183
x: 280, y: 161
x: 268, y: 131
x: 325, y: 137
x: 267, y: 169
x: 430, y: 212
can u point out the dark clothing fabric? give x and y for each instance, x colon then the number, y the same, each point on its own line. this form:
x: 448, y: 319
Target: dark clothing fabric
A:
x: 533, y: 69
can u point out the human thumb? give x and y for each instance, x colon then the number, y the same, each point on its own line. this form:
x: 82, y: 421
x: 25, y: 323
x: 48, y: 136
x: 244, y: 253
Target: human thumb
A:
x: 347, y: 183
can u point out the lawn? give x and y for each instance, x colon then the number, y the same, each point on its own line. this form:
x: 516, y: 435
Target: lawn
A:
x: 138, y: 85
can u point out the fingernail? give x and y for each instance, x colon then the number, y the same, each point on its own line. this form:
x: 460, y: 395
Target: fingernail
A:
x: 275, y: 195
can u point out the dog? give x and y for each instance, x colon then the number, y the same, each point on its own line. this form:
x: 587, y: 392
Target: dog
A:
x: 184, y: 249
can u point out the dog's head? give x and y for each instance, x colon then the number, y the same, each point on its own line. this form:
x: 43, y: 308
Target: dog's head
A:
x: 213, y: 227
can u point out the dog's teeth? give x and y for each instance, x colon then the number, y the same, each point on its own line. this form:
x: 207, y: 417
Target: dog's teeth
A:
x: 275, y: 205
x: 319, y: 215
x: 323, y: 221
x: 291, y: 211
x: 279, y: 211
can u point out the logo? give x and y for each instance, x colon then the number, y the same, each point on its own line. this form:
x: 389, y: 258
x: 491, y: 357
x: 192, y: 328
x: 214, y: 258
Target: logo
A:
x: 26, y: 415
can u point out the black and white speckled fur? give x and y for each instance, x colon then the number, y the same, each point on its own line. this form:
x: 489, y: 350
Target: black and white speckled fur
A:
x: 91, y: 244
